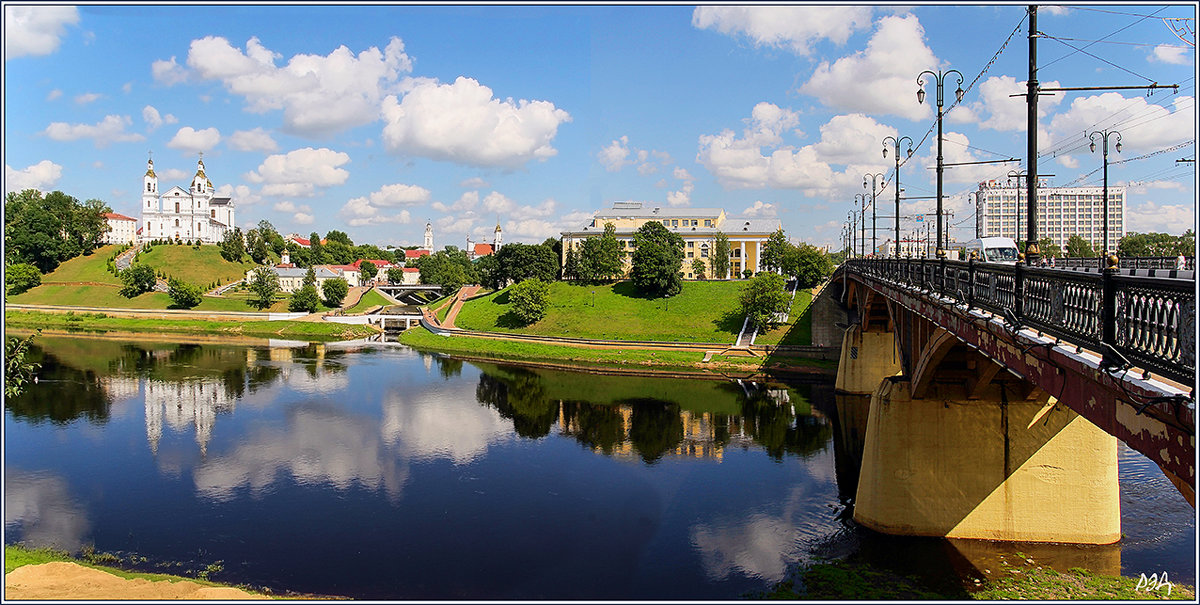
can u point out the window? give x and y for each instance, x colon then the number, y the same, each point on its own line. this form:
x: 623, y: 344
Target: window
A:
x: 708, y: 222
x: 214, y: 213
x: 176, y: 208
x: 691, y: 244
x: 675, y: 222
x: 691, y: 254
x: 176, y: 222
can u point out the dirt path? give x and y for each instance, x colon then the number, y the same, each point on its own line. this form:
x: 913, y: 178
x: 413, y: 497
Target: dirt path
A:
x: 70, y: 581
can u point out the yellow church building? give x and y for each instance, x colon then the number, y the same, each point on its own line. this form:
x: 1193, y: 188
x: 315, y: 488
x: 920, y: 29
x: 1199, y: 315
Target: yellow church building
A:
x: 697, y: 227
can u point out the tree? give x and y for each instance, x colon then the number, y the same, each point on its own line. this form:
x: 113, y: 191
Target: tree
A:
x: 490, y: 273
x: 720, y: 256
x: 698, y: 268
x: 335, y: 290
x: 555, y: 245
x: 608, y: 260
x: 518, y: 262
x: 588, y: 264
x: 808, y: 264
x: 367, y: 270
x: 1157, y: 244
x: 183, y: 294
x: 570, y: 268
x: 138, y: 279
x: 762, y: 298
x: 529, y: 299
x: 1077, y: 247
x: 1048, y: 248
x: 233, y: 245
x: 88, y: 225
x: 395, y: 275
x: 21, y: 277
x: 339, y: 237
x: 316, y: 252
x: 773, y: 251
x: 305, y: 300
x: 264, y: 284
x: 18, y: 372
x: 657, y: 260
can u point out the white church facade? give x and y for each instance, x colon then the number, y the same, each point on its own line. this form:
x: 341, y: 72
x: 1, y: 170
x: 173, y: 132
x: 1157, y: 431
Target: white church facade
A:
x: 184, y: 214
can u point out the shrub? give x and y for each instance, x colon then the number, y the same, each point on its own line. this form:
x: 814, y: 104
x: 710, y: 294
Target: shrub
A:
x: 183, y: 294
x: 304, y: 300
x: 20, y: 277
x: 138, y: 279
x: 529, y: 299
x: 335, y: 290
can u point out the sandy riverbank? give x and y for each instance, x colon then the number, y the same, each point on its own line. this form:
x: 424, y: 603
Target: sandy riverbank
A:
x: 70, y: 581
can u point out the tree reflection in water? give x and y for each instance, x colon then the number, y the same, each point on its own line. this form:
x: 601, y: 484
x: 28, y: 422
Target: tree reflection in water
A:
x: 602, y: 414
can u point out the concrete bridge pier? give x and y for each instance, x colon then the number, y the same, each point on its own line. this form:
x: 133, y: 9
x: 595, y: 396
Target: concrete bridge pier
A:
x: 868, y: 356
x: 987, y: 463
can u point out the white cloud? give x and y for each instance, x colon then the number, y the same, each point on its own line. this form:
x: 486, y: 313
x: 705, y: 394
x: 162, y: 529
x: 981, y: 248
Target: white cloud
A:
x: 544, y: 209
x: 109, y: 130
x: 153, y: 119
x: 302, y: 218
x: 1150, y: 217
x: 42, y: 176
x: 850, y: 138
x: 1170, y: 53
x: 615, y: 155
x: 463, y: 123
x: 795, y: 28
x: 241, y: 194
x: 87, y: 97
x: 681, y: 196
x: 298, y: 173
x: 35, y: 30
x: 168, y: 72
x: 681, y: 173
x: 760, y: 208
x: 54, y: 94
x: 173, y: 174
x: 371, y: 209
x: 253, y: 140
x: 496, y: 202
x: 466, y: 201
x: 1156, y: 126
x: 473, y: 183
x: 191, y: 140
x: 879, y: 79
x: 319, y: 95
x: 1003, y: 111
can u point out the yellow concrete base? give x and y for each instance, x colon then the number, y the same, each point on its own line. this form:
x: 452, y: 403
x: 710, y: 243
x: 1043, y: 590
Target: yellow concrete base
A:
x: 1021, y: 471
x: 867, y: 358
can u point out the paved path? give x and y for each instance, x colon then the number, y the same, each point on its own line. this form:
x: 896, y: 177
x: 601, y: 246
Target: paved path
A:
x: 125, y: 258
x: 464, y: 293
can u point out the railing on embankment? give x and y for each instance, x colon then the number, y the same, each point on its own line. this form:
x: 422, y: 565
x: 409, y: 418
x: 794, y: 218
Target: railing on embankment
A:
x: 1127, y: 315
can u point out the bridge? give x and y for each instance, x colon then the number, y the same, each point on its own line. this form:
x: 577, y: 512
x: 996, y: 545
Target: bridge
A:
x: 404, y: 293
x: 998, y: 393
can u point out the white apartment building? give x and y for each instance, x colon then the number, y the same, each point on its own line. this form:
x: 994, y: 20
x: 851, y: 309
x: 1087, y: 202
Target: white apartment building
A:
x: 1001, y: 211
x: 121, y: 229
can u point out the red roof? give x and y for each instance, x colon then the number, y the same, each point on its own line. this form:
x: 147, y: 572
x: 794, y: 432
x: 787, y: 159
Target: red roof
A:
x: 411, y: 270
x: 415, y: 253
x: 301, y: 241
x: 118, y: 217
x: 483, y: 249
x: 374, y: 261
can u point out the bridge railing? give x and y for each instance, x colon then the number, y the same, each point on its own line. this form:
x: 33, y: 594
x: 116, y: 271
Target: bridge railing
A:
x: 1128, y: 262
x: 1130, y: 319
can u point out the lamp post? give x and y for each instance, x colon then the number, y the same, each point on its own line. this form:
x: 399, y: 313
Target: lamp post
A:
x: 861, y: 198
x: 879, y: 176
x: 896, y: 143
x: 853, y: 218
x: 1104, y: 134
x: 939, y: 78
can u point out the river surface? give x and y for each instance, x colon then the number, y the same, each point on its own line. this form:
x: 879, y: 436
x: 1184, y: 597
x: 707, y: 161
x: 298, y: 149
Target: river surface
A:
x: 372, y: 471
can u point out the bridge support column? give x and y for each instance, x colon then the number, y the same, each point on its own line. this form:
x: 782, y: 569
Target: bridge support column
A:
x: 866, y: 359
x: 998, y: 468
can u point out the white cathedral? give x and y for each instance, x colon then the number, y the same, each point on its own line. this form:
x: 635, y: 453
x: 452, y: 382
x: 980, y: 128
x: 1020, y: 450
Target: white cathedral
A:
x: 179, y: 214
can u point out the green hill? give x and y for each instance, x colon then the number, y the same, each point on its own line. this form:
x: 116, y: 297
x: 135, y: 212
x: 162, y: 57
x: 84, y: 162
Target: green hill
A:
x: 202, y: 265
x: 86, y: 269
x: 705, y: 311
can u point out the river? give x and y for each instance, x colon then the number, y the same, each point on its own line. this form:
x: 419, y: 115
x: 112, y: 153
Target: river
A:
x: 372, y: 471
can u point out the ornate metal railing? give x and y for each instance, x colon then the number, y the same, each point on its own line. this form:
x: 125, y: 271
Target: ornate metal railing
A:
x: 1148, y: 322
x: 1131, y: 262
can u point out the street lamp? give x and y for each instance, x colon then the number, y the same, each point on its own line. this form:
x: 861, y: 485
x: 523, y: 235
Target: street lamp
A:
x: 896, y: 144
x: 1104, y: 134
x: 861, y: 198
x: 939, y: 78
x: 853, y: 218
x: 879, y: 176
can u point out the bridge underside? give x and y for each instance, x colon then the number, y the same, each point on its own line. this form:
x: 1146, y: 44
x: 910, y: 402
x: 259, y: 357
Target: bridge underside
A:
x: 979, y: 430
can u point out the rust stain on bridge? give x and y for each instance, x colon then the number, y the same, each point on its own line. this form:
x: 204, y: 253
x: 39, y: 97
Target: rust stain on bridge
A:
x: 1163, y: 432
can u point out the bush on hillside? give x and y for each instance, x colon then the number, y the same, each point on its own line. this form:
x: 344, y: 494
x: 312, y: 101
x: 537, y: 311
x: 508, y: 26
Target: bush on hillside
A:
x: 335, y: 290
x: 183, y: 294
x: 529, y: 299
x: 21, y: 277
x: 138, y: 280
x: 304, y: 300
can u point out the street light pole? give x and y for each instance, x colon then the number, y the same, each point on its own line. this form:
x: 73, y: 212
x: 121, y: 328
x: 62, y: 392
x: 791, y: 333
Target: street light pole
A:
x: 874, y: 177
x: 896, y: 143
x: 861, y: 198
x: 1104, y: 134
x: 939, y: 78
x: 853, y: 226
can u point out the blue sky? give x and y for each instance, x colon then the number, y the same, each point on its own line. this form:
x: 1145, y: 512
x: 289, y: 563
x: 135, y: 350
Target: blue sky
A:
x: 374, y: 119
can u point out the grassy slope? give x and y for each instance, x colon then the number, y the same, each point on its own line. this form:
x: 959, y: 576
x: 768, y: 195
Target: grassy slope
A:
x: 702, y: 312
x: 90, y: 268
x: 797, y: 330
x: 370, y: 299
x: 294, y: 330
x: 197, y: 266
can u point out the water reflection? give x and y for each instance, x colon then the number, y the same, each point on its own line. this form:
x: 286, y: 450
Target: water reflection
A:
x: 442, y: 424
x: 41, y: 508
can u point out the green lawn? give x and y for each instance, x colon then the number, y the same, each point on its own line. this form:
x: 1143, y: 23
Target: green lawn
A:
x: 797, y: 330
x: 368, y: 300
x: 110, y: 297
x: 705, y: 311
x: 98, y: 322
x: 90, y: 268
x: 201, y: 266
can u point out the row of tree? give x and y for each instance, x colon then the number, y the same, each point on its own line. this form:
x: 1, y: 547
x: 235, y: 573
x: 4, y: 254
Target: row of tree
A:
x: 45, y: 230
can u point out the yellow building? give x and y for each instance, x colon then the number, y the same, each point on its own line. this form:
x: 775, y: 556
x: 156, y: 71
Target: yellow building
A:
x: 697, y: 227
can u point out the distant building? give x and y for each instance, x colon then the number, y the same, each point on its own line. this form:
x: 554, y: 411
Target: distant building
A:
x: 184, y: 214
x: 121, y: 229
x: 479, y: 250
x: 303, y: 242
x: 1001, y: 210
x: 697, y: 227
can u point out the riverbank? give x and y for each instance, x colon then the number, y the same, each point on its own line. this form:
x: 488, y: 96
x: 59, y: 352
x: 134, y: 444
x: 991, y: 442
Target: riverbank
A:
x: 627, y: 359
x: 319, y: 331
x: 1021, y: 579
x: 51, y: 575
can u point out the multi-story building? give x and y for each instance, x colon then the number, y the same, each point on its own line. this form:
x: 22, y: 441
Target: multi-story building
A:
x: 121, y: 229
x: 697, y: 227
x: 184, y: 214
x: 1001, y: 210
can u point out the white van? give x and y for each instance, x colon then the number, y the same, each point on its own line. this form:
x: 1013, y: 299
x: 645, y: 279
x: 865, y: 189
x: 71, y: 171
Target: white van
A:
x: 993, y: 249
